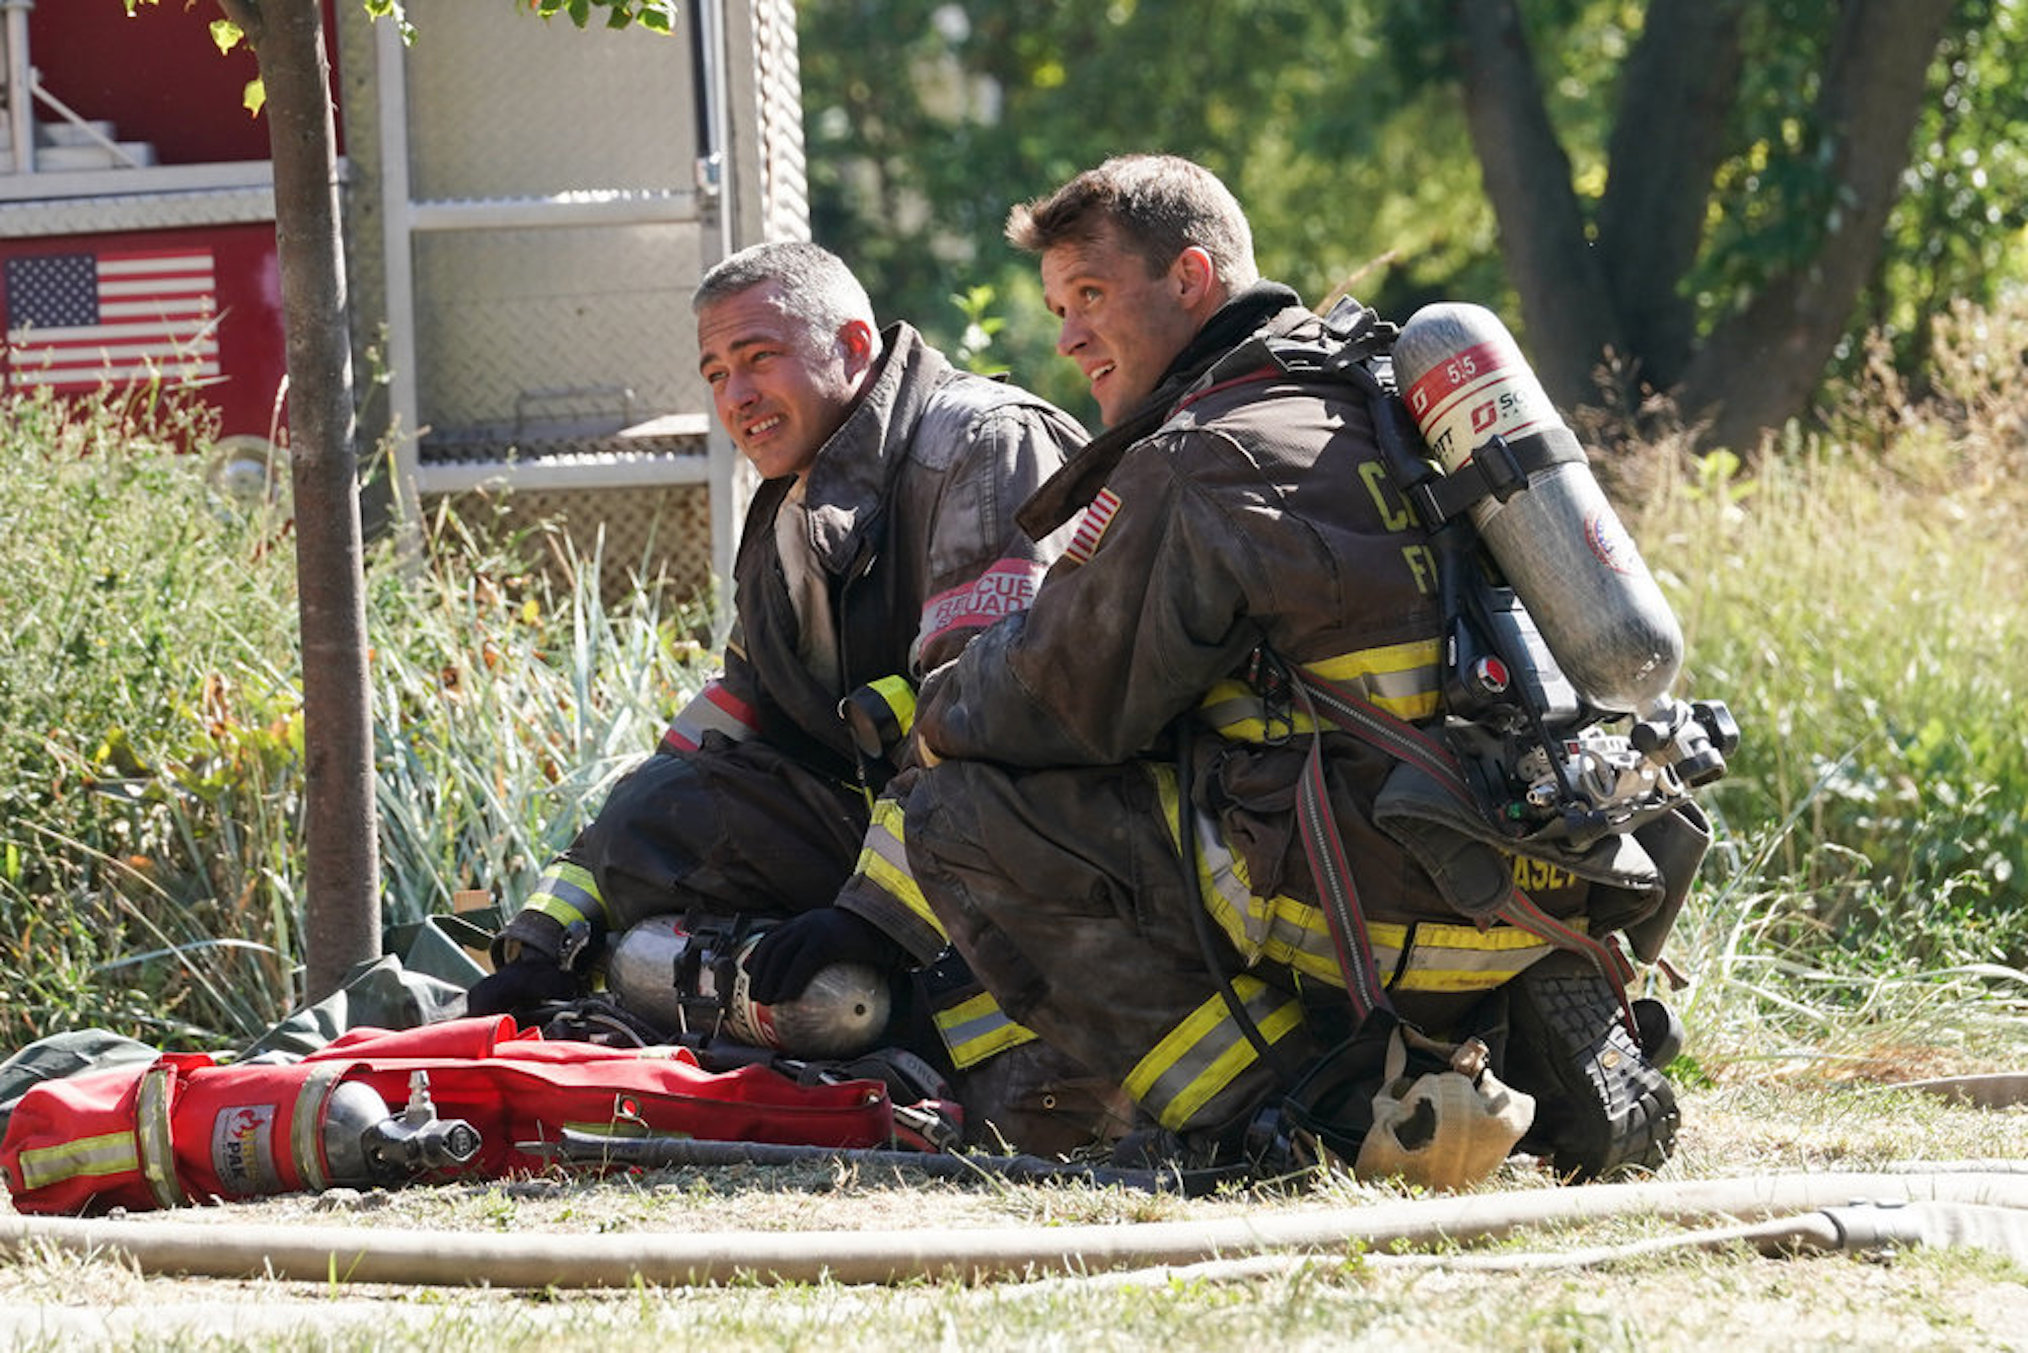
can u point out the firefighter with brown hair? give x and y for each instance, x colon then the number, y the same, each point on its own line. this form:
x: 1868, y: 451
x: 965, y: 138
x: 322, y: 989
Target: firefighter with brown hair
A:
x: 881, y: 539
x: 1118, y: 764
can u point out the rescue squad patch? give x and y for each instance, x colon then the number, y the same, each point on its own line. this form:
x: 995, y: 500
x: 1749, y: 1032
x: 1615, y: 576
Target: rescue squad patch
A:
x: 1008, y: 586
x: 242, y: 1149
x: 1091, y: 527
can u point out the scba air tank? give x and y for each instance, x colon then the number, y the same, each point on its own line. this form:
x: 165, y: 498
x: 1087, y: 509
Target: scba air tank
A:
x: 1561, y: 546
x: 687, y: 974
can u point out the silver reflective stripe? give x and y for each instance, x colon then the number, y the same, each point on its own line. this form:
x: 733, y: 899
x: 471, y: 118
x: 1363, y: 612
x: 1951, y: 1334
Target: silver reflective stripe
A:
x: 883, y: 861
x: 712, y: 710
x: 1279, y: 929
x: 1447, y: 958
x: 977, y: 1028
x: 84, y: 1157
x: 306, y: 1125
x: 1182, y: 1076
x: 1402, y: 679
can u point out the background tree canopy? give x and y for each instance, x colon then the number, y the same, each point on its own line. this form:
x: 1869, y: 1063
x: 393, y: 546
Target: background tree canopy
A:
x: 1710, y: 198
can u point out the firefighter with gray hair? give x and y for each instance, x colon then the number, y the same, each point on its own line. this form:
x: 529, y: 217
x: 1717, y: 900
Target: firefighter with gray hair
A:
x: 881, y: 538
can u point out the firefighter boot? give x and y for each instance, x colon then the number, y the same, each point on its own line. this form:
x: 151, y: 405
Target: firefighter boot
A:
x: 1600, y: 1105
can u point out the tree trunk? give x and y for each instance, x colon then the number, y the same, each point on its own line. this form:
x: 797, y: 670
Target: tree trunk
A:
x: 1676, y: 93
x: 343, y: 913
x: 1759, y: 368
x: 1565, y: 303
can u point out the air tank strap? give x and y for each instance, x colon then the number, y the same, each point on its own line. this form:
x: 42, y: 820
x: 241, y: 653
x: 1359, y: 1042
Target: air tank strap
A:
x: 1323, y: 700
x: 1356, y: 346
x: 1497, y: 470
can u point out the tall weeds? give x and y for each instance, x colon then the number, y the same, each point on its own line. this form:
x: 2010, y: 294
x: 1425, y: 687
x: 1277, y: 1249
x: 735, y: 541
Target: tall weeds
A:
x: 1860, y: 599
x: 151, y: 728
x: 505, y: 708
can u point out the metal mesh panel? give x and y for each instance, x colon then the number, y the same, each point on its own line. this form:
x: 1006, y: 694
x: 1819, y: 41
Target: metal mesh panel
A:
x: 653, y: 532
x: 533, y: 328
x: 136, y: 211
x: 785, y: 188
x: 504, y: 105
x: 548, y: 228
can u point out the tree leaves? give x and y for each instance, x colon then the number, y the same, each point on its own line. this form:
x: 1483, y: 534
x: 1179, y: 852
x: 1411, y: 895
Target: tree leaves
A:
x: 1338, y: 123
x: 658, y: 16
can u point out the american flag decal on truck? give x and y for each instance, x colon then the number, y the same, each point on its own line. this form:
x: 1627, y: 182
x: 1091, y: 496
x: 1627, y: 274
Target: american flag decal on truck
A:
x: 79, y: 321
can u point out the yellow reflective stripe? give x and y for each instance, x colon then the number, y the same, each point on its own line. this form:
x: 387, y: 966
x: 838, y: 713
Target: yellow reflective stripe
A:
x: 900, y: 698
x: 1402, y: 679
x: 1165, y: 790
x: 83, y: 1158
x: 1225, y: 1068
x: 567, y: 893
x: 154, y: 1139
x: 1451, y: 958
x: 1388, y: 675
x: 1229, y: 703
x: 1494, y: 939
x: 883, y: 860
x: 1180, y: 1042
x: 1420, y: 978
x: 977, y: 1028
x: 1296, y: 934
x: 1285, y: 930
x: 1206, y: 1052
x: 1252, y: 727
x: 1280, y: 929
x: 969, y: 1052
x: 1219, y: 887
x: 1388, y: 939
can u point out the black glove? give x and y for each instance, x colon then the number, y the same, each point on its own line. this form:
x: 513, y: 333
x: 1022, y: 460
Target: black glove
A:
x: 788, y: 956
x: 518, y: 988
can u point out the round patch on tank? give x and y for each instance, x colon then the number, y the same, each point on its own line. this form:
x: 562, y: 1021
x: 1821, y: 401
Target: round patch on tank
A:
x: 1610, y: 542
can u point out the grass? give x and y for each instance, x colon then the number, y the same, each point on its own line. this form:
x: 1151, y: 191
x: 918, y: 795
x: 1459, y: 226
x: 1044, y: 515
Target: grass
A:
x: 1916, y: 1298
x: 1859, y: 597
x: 505, y: 710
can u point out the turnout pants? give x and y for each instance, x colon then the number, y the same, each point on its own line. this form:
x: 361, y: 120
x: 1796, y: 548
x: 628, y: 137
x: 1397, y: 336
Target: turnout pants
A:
x: 1064, y: 892
x: 733, y: 827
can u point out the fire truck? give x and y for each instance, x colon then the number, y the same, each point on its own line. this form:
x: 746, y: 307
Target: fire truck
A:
x: 526, y: 206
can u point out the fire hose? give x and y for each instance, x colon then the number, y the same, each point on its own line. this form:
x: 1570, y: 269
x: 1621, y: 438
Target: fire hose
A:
x: 662, y: 1153
x: 1984, y: 1206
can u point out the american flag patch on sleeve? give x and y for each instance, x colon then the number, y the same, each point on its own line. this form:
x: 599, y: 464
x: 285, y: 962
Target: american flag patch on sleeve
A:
x: 1091, y: 527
